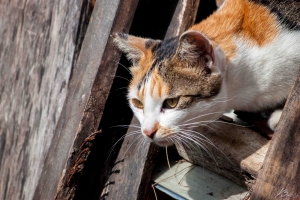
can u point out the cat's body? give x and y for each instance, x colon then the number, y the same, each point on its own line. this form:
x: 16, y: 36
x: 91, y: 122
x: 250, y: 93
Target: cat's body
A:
x: 243, y: 57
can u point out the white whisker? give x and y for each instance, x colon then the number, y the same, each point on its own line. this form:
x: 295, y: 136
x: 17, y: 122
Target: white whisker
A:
x: 208, y: 141
x: 112, y: 148
x: 121, y: 65
x: 197, y: 142
x: 121, y: 78
x: 131, y: 145
x: 126, y: 126
x: 202, y: 116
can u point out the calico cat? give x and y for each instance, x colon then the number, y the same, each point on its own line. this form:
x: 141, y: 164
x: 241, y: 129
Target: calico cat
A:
x: 243, y: 57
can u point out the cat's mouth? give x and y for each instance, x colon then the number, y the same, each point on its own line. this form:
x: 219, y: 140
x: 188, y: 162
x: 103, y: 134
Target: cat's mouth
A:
x: 163, y: 142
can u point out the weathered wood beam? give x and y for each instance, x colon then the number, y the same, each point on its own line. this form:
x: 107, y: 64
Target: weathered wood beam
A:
x: 183, y: 18
x: 280, y: 175
x: 82, y: 111
x: 38, y: 48
x: 132, y: 172
x: 228, y: 149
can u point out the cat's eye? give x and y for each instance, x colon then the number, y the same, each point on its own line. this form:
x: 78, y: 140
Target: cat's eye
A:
x: 137, y: 103
x: 170, y: 103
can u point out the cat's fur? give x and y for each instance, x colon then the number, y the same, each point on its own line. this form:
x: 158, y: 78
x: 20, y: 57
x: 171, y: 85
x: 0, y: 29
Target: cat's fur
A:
x: 243, y: 57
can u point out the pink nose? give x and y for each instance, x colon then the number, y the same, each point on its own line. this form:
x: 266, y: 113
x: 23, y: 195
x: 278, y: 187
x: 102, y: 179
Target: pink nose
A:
x: 150, y: 133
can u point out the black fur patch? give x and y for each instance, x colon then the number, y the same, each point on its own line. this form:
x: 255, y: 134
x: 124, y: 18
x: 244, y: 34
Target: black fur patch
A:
x: 161, y: 51
x: 287, y: 11
x: 149, y: 44
x: 166, y: 49
x: 123, y: 36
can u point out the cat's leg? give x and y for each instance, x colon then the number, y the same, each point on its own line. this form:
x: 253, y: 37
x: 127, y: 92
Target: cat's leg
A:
x: 274, y: 119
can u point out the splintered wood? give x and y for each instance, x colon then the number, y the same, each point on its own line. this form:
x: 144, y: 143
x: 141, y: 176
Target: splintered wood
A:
x: 228, y: 149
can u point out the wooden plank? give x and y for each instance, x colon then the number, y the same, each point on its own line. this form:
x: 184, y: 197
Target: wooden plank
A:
x: 279, y: 177
x: 125, y: 181
x: 228, y: 149
x: 133, y: 170
x: 131, y: 174
x: 89, y: 88
x: 38, y: 47
x: 183, y: 18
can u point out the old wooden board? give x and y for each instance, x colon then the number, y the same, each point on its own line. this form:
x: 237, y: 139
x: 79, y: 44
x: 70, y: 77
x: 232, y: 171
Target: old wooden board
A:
x: 228, y: 149
x: 183, y: 18
x: 89, y: 88
x: 38, y: 48
x: 131, y: 174
x: 279, y: 177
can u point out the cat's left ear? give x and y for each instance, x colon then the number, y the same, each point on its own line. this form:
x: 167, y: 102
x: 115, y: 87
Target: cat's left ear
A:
x: 192, y: 45
x: 134, y: 47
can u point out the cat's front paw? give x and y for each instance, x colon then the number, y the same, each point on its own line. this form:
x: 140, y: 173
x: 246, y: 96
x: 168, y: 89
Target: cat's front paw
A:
x: 274, y: 119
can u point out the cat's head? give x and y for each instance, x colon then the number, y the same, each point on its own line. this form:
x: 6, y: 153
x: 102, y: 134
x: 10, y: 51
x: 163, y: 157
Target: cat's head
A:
x: 176, y: 83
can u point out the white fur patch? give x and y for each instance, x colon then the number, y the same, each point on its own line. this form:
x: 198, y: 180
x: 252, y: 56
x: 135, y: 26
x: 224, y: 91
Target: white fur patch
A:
x: 274, y: 119
x: 261, y: 77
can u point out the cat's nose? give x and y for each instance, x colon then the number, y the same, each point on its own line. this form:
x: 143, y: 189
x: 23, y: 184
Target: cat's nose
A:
x: 150, y: 133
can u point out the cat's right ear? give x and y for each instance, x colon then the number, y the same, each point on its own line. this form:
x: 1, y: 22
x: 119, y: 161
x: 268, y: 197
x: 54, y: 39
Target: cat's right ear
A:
x: 135, y: 48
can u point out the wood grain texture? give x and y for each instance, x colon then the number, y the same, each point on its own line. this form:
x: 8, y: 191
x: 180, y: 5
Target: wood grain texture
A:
x: 228, y: 149
x: 130, y: 176
x: 88, y: 91
x: 184, y: 17
x: 37, y: 50
x: 279, y: 178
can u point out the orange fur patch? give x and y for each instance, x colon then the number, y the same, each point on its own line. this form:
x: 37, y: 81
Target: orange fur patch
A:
x: 239, y: 18
x: 139, y: 72
x: 158, y: 87
x: 138, y: 43
x: 141, y: 93
x: 156, y: 126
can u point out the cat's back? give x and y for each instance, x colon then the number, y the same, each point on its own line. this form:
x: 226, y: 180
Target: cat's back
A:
x: 255, y: 22
x: 286, y: 11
